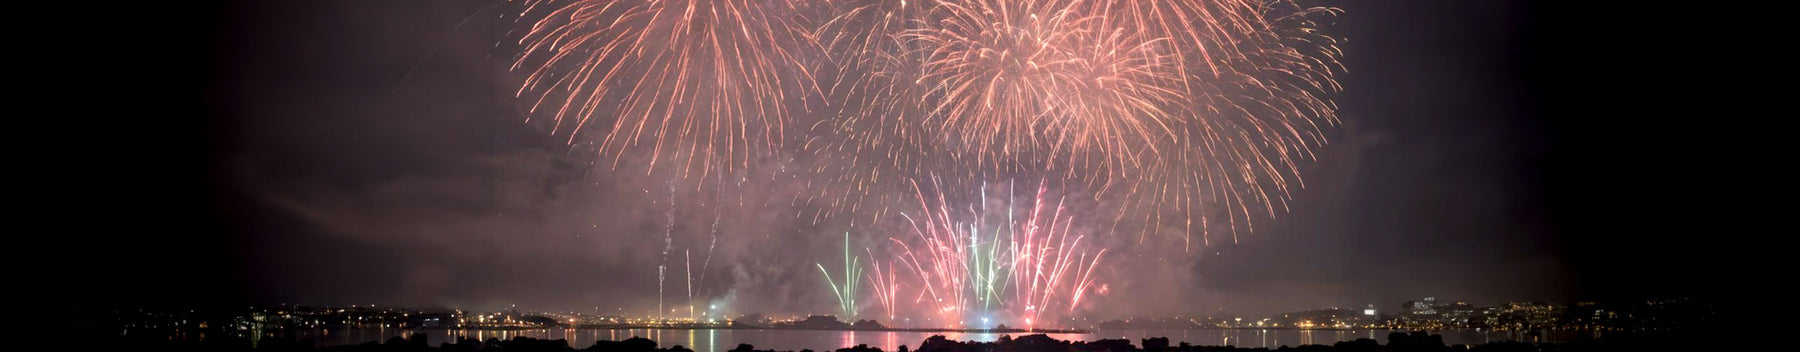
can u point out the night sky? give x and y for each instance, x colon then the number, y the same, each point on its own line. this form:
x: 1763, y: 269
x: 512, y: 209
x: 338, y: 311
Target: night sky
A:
x: 358, y: 152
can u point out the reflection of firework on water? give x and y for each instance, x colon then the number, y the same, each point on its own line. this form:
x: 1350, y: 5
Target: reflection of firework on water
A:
x: 1015, y: 264
x: 708, y: 83
x: 1204, y: 108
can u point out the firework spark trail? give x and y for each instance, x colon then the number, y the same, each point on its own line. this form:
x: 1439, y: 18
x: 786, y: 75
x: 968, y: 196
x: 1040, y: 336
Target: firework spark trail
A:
x: 710, y: 247
x: 668, y: 245
x: 886, y: 287
x: 1019, y: 268
x: 660, y: 269
x: 689, y: 255
x: 708, y: 83
x: 1086, y: 278
x: 845, y: 294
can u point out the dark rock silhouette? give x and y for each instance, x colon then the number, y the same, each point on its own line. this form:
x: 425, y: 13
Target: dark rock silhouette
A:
x: 1039, y: 342
x: 867, y: 324
x: 1416, y: 341
x: 1105, y: 345
x: 744, y: 347
x: 859, y: 348
x: 1156, y: 344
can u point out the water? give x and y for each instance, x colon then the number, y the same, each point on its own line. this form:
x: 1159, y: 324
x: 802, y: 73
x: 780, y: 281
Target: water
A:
x: 719, y: 340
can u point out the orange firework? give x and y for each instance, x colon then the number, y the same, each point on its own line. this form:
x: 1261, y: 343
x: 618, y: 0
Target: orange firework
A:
x: 708, y: 83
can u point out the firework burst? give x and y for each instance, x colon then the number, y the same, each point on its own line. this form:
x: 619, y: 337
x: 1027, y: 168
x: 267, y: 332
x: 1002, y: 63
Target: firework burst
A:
x: 876, y: 134
x: 1015, y: 263
x: 1044, y: 81
x: 1199, y: 112
x: 708, y: 83
x: 1255, y: 107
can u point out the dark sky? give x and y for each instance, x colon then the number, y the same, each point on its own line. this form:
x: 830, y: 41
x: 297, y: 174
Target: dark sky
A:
x: 356, y: 152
